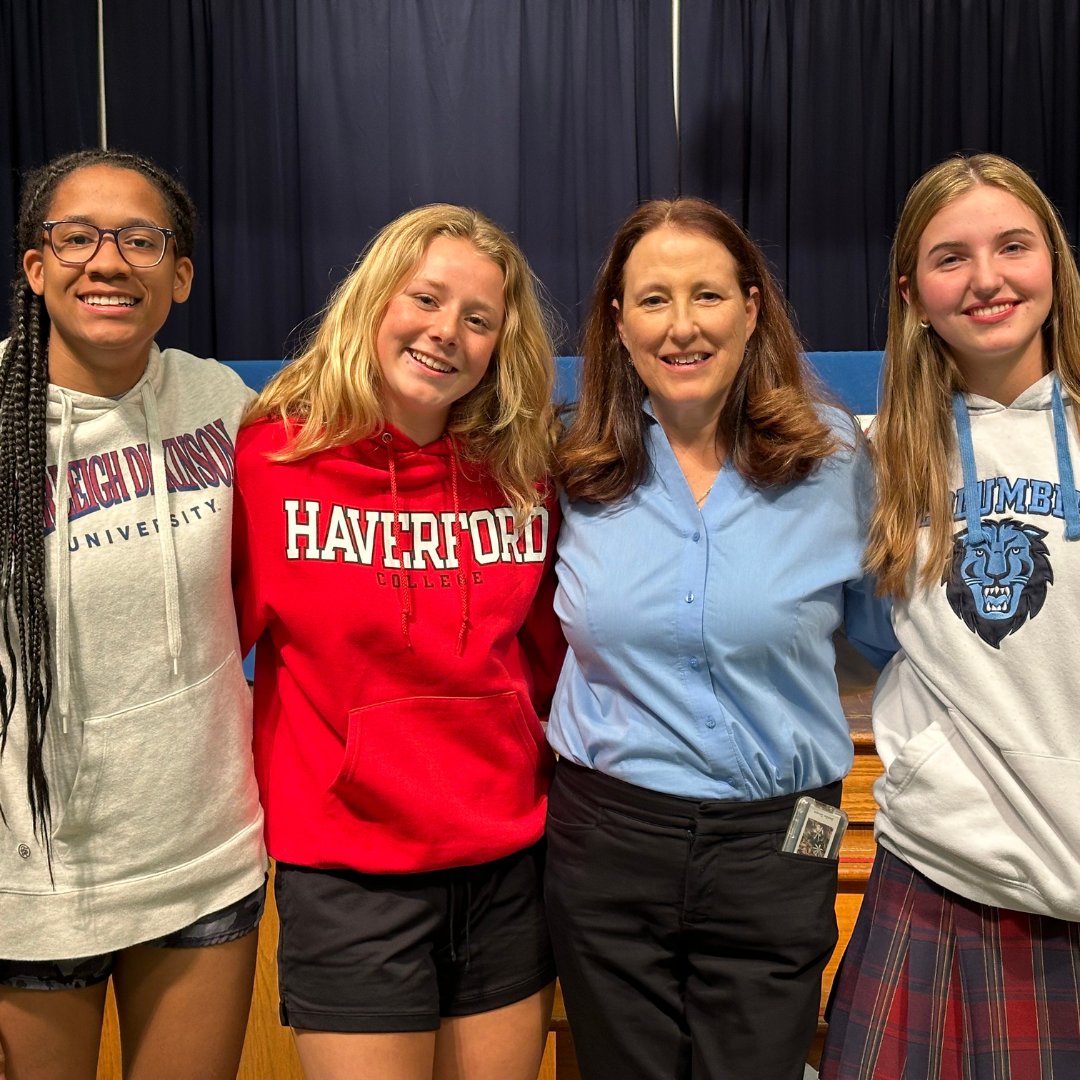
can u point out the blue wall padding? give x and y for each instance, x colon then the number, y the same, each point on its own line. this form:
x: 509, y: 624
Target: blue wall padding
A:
x: 567, y: 369
x: 852, y: 377
x: 256, y: 373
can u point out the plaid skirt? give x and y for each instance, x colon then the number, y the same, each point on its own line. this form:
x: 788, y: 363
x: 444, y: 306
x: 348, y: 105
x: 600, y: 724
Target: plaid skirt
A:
x: 936, y: 987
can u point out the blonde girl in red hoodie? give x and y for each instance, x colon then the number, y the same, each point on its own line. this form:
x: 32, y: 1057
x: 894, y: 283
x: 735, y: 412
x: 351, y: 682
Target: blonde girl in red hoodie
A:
x: 393, y: 548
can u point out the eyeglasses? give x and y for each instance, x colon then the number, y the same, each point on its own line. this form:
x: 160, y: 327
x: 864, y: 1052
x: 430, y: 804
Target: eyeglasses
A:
x: 75, y: 243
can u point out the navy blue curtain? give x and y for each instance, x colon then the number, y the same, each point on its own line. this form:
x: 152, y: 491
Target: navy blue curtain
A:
x: 810, y: 120
x: 303, y: 128
x: 48, y: 101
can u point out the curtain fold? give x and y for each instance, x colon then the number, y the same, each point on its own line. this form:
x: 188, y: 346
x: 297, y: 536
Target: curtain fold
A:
x: 304, y: 128
x: 48, y: 96
x: 810, y: 120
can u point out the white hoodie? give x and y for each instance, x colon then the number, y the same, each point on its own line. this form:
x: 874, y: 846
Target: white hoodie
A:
x: 155, y: 813
x: 977, y: 719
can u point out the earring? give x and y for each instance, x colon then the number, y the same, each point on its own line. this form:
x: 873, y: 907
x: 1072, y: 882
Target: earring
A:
x: 924, y: 324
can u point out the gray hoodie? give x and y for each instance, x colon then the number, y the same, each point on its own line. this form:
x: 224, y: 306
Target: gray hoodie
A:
x: 155, y: 811
x: 977, y: 719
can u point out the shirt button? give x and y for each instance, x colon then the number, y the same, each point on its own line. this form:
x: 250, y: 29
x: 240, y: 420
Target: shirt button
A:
x: 697, y: 537
x: 689, y: 597
x: 24, y: 851
x: 693, y: 661
x: 710, y: 723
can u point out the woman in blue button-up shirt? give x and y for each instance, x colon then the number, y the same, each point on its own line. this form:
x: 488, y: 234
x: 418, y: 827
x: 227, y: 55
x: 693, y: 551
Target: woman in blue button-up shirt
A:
x: 715, y: 517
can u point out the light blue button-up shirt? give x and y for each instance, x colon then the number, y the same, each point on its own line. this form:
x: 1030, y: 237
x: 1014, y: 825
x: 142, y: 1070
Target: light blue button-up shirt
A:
x: 701, y: 659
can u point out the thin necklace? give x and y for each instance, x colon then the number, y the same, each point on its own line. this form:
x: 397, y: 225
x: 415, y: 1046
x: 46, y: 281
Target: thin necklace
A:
x: 700, y: 500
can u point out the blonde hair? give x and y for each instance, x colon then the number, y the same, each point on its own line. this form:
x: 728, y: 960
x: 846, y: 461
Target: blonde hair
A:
x: 914, y: 435
x: 331, y: 394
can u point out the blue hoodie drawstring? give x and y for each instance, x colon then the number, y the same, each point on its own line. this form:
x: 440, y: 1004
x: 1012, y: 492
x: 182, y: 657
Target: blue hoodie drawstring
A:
x: 972, y: 503
x: 1065, y: 469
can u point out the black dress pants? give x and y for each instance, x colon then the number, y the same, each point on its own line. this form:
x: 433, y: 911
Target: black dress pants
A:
x: 688, y: 946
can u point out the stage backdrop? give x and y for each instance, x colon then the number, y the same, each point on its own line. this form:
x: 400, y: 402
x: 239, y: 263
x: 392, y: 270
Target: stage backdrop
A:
x: 303, y: 127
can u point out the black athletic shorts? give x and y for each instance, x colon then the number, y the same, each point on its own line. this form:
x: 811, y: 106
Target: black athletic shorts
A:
x: 398, y: 952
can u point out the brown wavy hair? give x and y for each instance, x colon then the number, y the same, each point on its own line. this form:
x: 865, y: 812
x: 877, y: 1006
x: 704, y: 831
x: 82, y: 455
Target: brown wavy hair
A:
x: 914, y: 435
x: 770, y: 424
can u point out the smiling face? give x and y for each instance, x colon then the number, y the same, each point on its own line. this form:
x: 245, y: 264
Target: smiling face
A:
x: 984, y: 281
x: 438, y: 335
x: 104, y: 314
x: 685, y: 322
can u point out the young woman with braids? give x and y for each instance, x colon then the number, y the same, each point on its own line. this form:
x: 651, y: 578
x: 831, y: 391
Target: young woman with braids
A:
x: 131, y: 840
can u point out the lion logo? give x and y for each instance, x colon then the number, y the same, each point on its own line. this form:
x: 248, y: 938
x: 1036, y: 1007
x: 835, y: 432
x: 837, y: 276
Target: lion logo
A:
x: 997, y: 585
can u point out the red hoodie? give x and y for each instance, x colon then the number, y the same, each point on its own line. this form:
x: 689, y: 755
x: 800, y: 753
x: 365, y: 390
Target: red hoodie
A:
x: 404, y: 657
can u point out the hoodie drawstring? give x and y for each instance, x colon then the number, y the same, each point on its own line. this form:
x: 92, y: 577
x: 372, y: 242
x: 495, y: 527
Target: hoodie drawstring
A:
x: 63, y: 566
x: 1065, y: 470
x: 166, y: 543
x: 460, y: 546
x: 404, y: 579
x: 462, y: 550
x: 166, y: 540
x: 972, y: 502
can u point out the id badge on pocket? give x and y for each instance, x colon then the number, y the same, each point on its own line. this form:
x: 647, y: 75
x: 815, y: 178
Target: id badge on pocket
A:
x: 816, y: 829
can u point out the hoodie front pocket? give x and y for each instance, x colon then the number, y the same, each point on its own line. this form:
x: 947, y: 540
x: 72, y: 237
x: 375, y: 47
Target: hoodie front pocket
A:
x: 439, y: 779
x: 1045, y: 795
x: 931, y: 781
x: 913, y: 755
x: 163, y: 783
x: 939, y: 794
